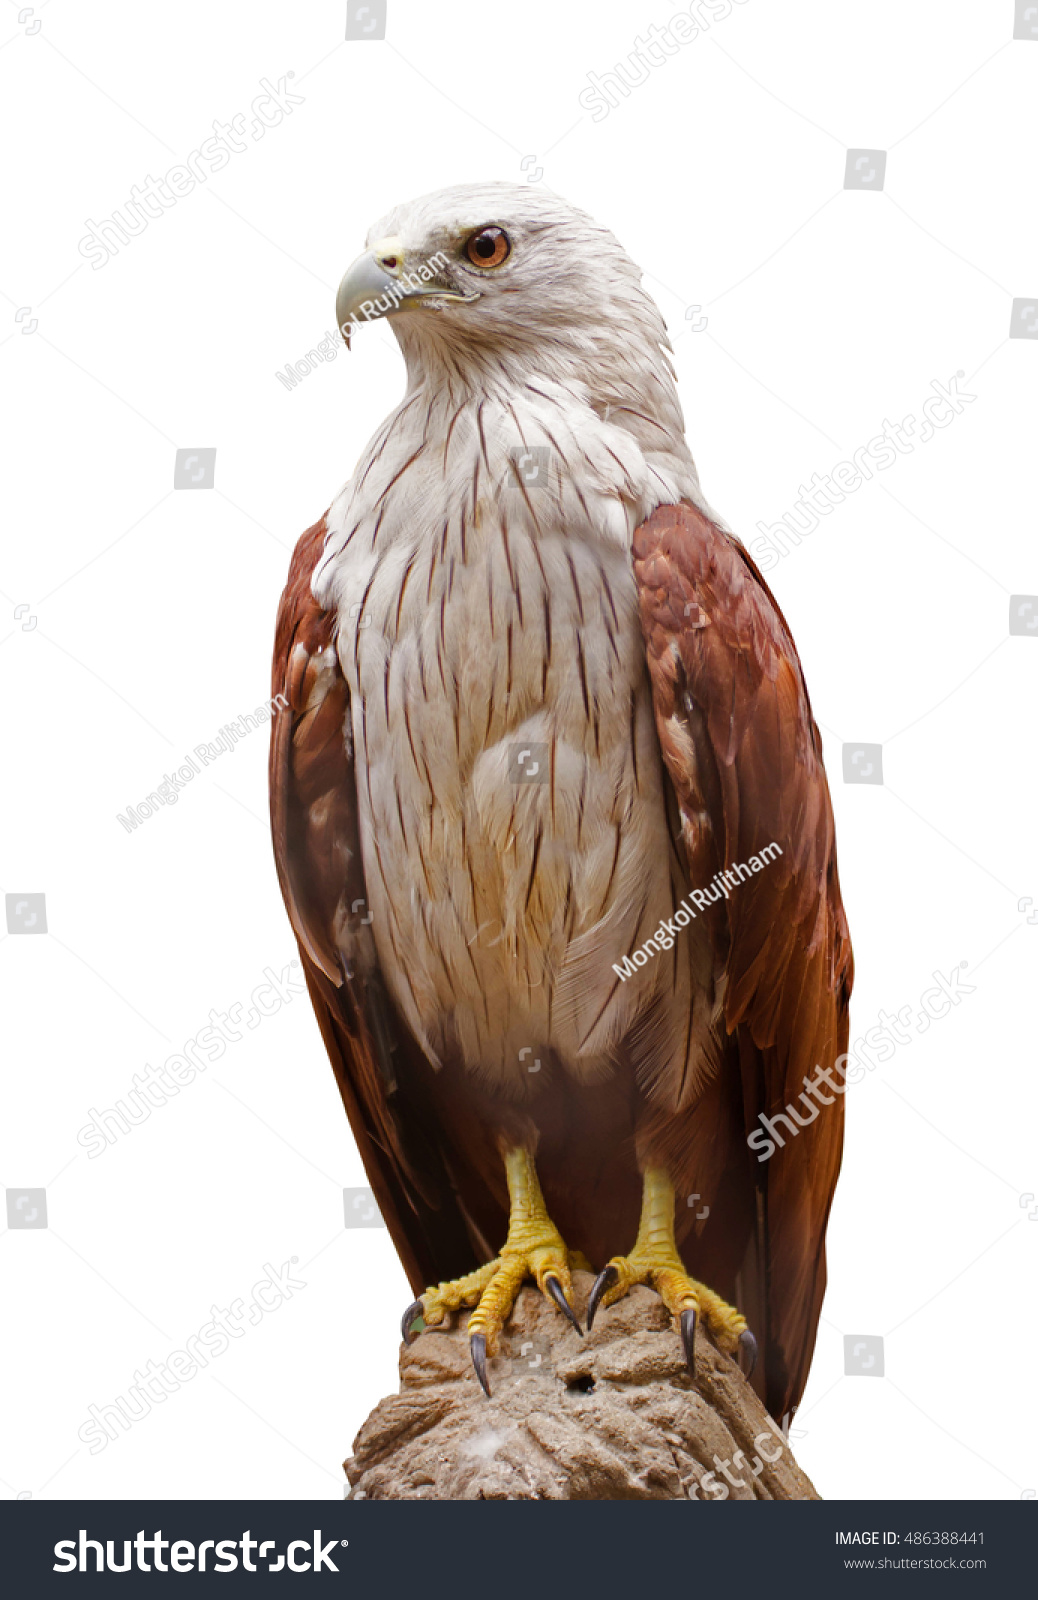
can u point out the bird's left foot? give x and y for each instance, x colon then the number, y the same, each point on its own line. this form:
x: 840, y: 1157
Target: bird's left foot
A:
x: 655, y: 1261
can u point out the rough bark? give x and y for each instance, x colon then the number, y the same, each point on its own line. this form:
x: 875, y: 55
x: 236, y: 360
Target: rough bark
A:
x: 612, y: 1416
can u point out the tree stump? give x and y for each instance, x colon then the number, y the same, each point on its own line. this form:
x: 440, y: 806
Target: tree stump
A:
x: 611, y: 1416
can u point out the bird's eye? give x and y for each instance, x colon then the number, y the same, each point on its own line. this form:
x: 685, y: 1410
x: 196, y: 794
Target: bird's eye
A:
x: 488, y: 248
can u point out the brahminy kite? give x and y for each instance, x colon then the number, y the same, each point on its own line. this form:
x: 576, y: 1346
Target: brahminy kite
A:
x: 550, y: 815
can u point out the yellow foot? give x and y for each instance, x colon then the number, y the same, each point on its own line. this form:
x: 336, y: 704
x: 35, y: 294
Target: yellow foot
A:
x: 534, y: 1249
x: 655, y: 1261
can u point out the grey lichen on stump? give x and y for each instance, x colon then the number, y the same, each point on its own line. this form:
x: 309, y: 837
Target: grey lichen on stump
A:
x: 611, y: 1416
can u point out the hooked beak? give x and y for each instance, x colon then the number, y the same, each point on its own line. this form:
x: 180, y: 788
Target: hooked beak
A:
x: 381, y: 282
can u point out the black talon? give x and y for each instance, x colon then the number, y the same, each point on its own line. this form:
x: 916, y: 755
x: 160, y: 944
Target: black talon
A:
x: 688, y: 1338
x: 748, y: 1343
x: 558, y: 1294
x: 605, y: 1280
x: 478, y: 1350
x: 414, y: 1310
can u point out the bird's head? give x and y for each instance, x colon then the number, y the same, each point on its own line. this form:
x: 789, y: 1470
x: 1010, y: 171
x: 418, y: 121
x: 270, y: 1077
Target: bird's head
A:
x: 504, y: 278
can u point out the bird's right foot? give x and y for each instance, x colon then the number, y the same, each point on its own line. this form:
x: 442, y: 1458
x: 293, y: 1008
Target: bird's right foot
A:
x: 534, y: 1249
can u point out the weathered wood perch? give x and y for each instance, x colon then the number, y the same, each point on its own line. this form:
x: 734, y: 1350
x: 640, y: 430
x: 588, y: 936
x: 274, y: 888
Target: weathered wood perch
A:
x: 611, y: 1416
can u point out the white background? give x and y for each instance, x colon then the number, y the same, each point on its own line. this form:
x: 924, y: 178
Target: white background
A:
x: 828, y: 310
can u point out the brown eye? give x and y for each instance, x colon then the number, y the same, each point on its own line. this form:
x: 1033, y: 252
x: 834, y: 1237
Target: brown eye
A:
x: 488, y: 248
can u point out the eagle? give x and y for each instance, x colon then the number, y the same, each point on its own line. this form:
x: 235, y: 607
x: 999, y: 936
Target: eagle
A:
x: 550, y: 815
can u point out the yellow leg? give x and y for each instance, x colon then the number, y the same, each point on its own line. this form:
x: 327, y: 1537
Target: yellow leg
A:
x: 534, y: 1248
x: 655, y: 1261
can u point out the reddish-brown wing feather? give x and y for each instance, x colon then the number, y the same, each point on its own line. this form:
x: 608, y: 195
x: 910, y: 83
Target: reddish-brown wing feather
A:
x: 313, y: 806
x: 745, y: 760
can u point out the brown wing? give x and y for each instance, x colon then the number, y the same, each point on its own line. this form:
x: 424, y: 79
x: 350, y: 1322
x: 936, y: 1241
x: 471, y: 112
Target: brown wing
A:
x: 745, y: 759
x: 313, y: 807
